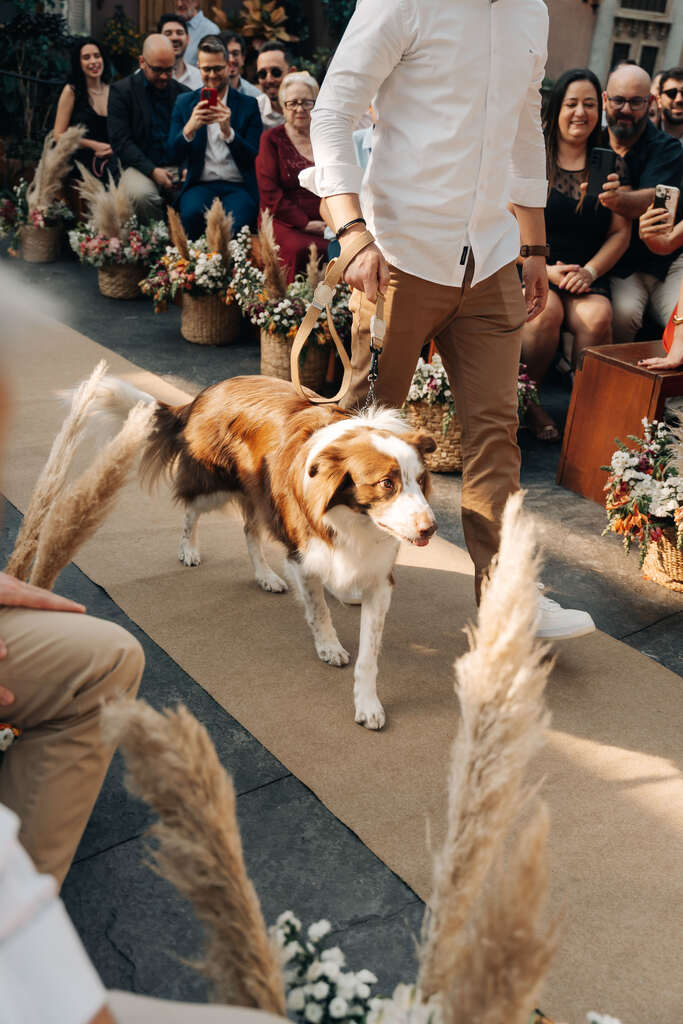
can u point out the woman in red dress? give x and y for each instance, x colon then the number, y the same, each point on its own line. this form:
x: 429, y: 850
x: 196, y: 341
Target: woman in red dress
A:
x: 283, y: 152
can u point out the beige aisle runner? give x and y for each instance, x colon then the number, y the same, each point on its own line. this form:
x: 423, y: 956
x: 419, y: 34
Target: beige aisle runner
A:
x: 612, y: 783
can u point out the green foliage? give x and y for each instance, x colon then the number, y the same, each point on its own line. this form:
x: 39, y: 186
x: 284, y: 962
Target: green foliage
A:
x: 36, y: 44
x: 123, y: 42
x: 338, y: 15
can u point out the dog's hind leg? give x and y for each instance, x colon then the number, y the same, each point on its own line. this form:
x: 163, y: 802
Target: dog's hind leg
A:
x: 369, y: 711
x: 188, y: 552
x: 266, y: 577
x: 318, y: 616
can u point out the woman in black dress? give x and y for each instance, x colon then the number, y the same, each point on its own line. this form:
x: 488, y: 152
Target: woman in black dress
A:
x: 585, y: 238
x: 84, y: 101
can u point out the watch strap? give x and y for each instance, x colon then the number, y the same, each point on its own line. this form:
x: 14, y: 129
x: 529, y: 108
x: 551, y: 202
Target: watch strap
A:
x: 534, y: 250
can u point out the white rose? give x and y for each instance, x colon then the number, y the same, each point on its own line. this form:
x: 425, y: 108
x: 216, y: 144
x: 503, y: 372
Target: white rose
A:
x: 320, y: 990
x: 319, y: 930
x: 333, y: 955
x: 338, y: 1007
x: 313, y: 1013
x: 288, y: 918
x: 366, y: 977
x: 362, y: 990
x: 296, y: 1000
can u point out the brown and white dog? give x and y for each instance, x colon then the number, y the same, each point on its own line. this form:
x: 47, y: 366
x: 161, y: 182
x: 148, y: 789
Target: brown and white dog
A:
x: 339, y: 490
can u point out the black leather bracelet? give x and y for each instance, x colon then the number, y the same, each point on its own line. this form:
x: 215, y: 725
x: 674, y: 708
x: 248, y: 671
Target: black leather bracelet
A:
x: 349, y: 224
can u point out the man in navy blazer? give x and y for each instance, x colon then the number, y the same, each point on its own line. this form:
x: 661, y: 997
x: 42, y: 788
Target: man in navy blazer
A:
x: 217, y: 144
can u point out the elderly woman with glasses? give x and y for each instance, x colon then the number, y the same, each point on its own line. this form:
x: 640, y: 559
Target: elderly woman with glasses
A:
x: 283, y: 152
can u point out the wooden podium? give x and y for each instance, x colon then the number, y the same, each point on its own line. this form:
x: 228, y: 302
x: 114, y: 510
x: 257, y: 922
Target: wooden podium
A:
x: 611, y: 395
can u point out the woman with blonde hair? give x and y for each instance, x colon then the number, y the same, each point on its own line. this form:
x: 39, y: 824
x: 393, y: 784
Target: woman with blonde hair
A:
x: 284, y: 151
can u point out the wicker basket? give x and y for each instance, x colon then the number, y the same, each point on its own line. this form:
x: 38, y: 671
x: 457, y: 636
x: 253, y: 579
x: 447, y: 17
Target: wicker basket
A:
x: 40, y: 245
x: 121, y: 280
x: 206, y: 320
x: 664, y: 562
x: 275, y: 352
x: 448, y: 455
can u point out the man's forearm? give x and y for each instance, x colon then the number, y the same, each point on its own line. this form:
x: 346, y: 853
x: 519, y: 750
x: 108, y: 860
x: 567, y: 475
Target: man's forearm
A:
x: 632, y: 204
x: 343, y: 208
x: 531, y: 220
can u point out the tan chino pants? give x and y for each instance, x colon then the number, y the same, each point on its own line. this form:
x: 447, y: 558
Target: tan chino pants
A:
x: 61, y: 668
x: 478, y: 335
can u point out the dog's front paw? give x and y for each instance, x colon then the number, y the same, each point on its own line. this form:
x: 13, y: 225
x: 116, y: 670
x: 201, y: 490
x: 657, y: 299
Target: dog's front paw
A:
x: 370, y: 713
x: 272, y: 583
x: 188, y: 555
x: 333, y: 653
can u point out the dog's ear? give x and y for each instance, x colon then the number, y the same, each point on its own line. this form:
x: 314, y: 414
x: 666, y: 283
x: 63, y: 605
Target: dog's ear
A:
x: 421, y: 440
x: 327, y: 477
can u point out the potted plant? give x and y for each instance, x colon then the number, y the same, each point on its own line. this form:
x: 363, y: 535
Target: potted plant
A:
x: 430, y: 406
x: 198, y: 275
x: 277, y: 308
x: 644, y: 501
x: 35, y: 215
x: 113, y: 240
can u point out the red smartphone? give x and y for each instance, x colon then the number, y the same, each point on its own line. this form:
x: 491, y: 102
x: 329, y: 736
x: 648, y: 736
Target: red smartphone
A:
x: 210, y: 95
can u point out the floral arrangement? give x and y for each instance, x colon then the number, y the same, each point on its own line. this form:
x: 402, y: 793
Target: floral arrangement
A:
x: 645, y: 489
x: 15, y: 214
x: 274, y: 306
x: 203, y: 267
x: 8, y: 734
x: 430, y: 384
x: 135, y: 243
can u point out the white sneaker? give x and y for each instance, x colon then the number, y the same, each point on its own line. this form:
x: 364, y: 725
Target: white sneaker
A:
x: 558, y: 623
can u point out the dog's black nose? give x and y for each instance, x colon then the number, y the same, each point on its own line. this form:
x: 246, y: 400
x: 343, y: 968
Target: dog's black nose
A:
x: 428, y: 531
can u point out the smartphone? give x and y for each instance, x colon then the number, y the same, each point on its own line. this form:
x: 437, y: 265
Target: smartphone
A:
x: 210, y: 95
x: 666, y: 198
x: 602, y: 163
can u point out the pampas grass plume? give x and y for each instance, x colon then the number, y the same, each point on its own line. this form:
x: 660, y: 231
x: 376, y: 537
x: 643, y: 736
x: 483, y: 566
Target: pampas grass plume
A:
x: 53, y: 167
x: 219, y: 230
x: 314, y: 274
x: 81, y: 509
x: 176, y: 232
x: 173, y: 766
x: 51, y: 480
x: 275, y: 283
x: 500, y: 684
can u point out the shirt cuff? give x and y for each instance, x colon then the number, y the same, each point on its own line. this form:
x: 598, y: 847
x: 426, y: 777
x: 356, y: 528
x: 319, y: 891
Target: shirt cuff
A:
x: 45, y: 974
x: 332, y: 180
x: 529, y: 192
x: 230, y: 137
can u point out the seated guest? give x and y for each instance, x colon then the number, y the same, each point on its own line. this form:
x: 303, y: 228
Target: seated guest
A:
x: 174, y: 27
x: 237, y: 53
x: 217, y: 145
x: 661, y: 238
x: 198, y: 26
x: 139, y: 117
x: 84, y: 101
x: 585, y: 239
x: 641, y: 278
x: 272, y: 64
x: 670, y: 102
x: 284, y: 151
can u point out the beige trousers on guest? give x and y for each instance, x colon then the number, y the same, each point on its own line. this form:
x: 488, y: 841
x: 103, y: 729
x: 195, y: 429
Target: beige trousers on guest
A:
x: 478, y: 335
x: 147, y: 200
x: 61, y: 667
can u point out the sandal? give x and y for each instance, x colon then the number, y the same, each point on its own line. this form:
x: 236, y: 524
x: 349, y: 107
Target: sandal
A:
x: 541, y: 425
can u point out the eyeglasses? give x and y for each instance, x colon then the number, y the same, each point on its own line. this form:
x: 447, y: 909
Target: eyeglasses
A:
x: 264, y: 72
x: 304, y: 104
x: 217, y: 69
x: 160, y: 70
x: 634, y: 102
x: 672, y: 93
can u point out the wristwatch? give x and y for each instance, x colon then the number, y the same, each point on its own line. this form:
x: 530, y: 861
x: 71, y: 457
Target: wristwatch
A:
x: 534, y: 250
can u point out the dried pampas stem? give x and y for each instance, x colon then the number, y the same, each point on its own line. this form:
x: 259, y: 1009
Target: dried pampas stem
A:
x: 219, y: 230
x: 77, y: 512
x: 506, y: 952
x: 53, y: 167
x: 314, y: 273
x: 173, y: 766
x: 110, y: 207
x: 51, y: 480
x: 274, y: 276
x: 176, y: 232
x: 500, y: 684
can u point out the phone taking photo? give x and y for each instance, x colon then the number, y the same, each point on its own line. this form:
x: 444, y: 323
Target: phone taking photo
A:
x: 666, y: 198
x: 210, y: 95
x: 602, y: 163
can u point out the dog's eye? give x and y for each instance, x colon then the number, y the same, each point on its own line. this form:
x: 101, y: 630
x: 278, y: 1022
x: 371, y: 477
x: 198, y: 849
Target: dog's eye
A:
x: 387, y: 484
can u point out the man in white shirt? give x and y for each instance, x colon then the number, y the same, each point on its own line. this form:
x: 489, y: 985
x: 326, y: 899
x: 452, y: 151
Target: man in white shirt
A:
x: 198, y: 26
x: 455, y: 88
x: 174, y: 27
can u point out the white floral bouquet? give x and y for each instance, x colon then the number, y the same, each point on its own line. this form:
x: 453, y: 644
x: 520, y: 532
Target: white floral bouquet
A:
x: 430, y: 384
x: 282, y: 314
x: 134, y: 243
x: 644, y: 489
x: 201, y: 272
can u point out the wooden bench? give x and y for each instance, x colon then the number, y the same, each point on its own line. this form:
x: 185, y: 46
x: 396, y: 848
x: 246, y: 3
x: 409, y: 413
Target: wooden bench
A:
x: 611, y: 395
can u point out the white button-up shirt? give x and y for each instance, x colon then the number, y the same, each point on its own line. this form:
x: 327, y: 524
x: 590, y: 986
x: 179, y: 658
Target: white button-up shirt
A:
x: 455, y: 85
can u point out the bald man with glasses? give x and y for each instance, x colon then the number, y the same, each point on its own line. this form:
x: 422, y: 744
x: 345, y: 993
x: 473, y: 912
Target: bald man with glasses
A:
x: 641, y: 279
